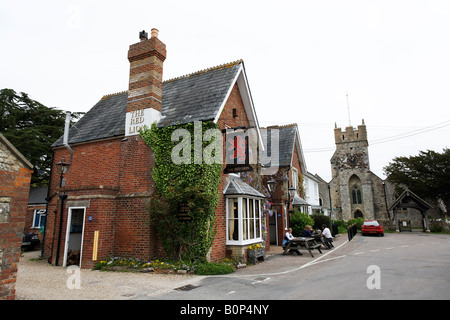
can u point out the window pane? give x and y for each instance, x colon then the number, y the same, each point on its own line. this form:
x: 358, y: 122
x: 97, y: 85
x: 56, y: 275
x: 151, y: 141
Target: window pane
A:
x: 233, y: 222
x: 245, y: 218
x: 42, y: 223
x: 252, y: 218
x: 258, y: 218
x: 232, y: 208
x: 233, y: 226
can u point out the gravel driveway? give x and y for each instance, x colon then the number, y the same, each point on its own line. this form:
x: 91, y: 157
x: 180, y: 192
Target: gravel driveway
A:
x: 36, y: 279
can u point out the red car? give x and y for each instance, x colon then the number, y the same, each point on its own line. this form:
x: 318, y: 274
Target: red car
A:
x: 372, y: 227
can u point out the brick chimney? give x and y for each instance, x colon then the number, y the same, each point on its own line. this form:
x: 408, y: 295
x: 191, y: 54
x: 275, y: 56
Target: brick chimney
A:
x: 145, y: 88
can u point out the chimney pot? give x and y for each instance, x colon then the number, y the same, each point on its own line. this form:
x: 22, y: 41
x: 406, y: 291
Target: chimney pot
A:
x: 155, y: 33
x: 143, y: 35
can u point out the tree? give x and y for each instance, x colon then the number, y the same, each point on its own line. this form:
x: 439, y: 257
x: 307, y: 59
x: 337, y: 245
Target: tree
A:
x: 427, y: 174
x: 32, y: 128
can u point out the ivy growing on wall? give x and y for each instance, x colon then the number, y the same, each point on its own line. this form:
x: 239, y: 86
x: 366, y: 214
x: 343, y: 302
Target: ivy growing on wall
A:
x: 191, y: 185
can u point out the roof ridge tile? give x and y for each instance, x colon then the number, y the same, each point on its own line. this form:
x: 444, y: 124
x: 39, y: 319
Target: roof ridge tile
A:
x: 219, y: 67
x: 106, y: 96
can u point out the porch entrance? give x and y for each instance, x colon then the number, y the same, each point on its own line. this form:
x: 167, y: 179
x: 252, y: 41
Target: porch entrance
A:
x: 409, y: 200
x: 74, y: 237
x: 358, y: 214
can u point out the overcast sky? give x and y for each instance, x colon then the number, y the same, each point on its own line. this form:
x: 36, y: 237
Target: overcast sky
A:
x: 301, y: 58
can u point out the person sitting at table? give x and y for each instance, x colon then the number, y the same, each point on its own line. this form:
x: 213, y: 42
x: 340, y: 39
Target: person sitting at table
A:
x: 326, y: 234
x: 287, y: 238
x: 307, y: 232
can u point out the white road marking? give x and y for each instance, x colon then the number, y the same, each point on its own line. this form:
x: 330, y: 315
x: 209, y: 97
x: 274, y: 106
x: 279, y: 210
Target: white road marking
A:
x: 283, y: 272
x: 334, y: 258
x: 261, y: 280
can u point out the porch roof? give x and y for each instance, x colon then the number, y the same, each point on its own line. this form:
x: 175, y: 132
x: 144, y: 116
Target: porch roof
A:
x: 298, y: 201
x: 409, y: 199
x: 238, y: 187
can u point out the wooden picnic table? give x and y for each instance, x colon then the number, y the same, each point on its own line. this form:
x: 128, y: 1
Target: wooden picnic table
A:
x: 305, y: 242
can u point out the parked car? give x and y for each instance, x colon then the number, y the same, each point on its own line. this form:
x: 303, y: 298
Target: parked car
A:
x: 372, y: 227
x: 30, y: 241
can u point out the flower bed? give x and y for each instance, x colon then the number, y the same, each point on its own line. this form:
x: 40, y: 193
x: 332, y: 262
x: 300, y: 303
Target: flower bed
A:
x: 136, y: 265
x: 118, y: 264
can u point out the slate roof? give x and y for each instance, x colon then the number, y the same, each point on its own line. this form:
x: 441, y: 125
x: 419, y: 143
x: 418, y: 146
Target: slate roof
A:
x: 238, y: 187
x: 298, y: 201
x: 37, y: 195
x: 197, y: 96
x: 286, y: 139
x: 105, y: 120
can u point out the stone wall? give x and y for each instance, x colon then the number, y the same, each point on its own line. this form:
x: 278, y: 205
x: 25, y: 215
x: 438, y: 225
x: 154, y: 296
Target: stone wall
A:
x: 15, y: 176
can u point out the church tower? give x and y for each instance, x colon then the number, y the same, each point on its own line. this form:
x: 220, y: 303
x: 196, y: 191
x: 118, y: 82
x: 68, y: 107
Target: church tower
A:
x: 352, y: 192
x: 351, y: 149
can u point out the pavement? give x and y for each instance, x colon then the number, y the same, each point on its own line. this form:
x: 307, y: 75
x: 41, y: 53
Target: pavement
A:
x: 36, y: 279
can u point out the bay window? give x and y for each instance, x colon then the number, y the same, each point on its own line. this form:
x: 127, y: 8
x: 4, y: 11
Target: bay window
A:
x: 243, y: 220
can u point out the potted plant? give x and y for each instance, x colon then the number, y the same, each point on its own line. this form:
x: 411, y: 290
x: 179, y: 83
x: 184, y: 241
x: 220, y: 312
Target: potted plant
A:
x: 256, y: 251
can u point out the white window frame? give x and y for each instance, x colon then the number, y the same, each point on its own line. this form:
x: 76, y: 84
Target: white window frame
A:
x: 66, y: 245
x: 256, y: 203
x: 294, y: 177
x: 285, y: 211
x: 44, y: 213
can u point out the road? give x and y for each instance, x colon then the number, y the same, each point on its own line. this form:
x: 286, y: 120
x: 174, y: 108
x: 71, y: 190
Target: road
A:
x: 397, y: 266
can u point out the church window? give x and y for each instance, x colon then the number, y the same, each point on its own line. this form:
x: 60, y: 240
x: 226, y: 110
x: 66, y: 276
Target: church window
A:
x: 356, y: 195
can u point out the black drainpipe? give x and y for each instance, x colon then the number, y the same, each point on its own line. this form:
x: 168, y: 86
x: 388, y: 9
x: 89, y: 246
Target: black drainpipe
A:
x: 47, y: 199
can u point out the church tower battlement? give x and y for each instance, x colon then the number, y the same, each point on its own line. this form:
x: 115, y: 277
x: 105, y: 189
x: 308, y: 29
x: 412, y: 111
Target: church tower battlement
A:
x: 352, y: 150
x: 350, y: 134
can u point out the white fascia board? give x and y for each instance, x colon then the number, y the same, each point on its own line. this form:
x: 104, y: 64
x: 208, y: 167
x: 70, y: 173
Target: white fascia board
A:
x: 300, y: 150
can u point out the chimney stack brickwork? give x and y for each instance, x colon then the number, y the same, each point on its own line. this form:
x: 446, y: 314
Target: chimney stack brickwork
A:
x: 146, y: 70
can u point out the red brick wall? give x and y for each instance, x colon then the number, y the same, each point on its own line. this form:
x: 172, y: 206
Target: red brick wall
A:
x: 93, y: 177
x: 93, y: 164
x: 134, y: 235
x: 14, y: 185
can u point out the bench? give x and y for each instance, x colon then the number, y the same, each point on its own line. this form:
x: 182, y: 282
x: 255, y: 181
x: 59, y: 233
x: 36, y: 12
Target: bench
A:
x: 308, y: 243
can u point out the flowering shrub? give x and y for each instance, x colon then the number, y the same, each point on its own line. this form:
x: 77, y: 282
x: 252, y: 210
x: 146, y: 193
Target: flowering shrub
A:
x: 130, y: 264
x: 159, y: 265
